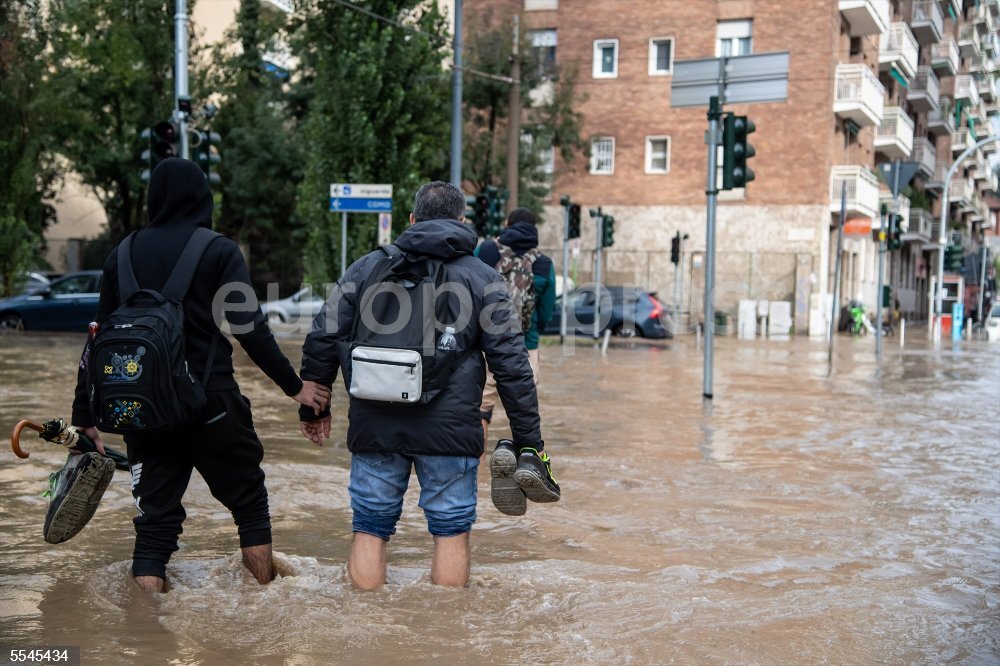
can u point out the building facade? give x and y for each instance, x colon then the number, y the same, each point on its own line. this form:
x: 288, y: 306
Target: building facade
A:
x: 870, y: 82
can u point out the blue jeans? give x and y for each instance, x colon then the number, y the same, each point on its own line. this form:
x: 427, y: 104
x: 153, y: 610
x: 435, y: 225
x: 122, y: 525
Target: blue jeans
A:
x: 448, y: 487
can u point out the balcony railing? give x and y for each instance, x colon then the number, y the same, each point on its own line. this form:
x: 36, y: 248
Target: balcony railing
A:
x: 994, y: 7
x: 983, y: 19
x: 924, y: 90
x: 921, y: 226
x: 987, y: 88
x: 961, y: 192
x: 866, y: 17
x: 925, y: 155
x: 991, y: 44
x: 966, y: 88
x: 928, y: 21
x: 898, y: 48
x: 861, y: 187
x: 894, y: 137
x: 936, y: 182
x: 941, y: 120
x: 980, y: 165
x: 945, y: 57
x: 961, y: 141
x: 859, y: 95
x: 969, y: 43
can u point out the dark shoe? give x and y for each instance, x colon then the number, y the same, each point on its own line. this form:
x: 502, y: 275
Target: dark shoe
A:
x: 534, y: 476
x: 506, y: 494
x: 75, y: 491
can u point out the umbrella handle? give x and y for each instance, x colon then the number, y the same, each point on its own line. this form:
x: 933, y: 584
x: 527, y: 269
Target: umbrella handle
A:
x: 15, y: 437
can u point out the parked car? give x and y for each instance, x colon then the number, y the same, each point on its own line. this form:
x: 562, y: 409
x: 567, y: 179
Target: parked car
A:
x: 634, y: 312
x: 66, y: 304
x: 303, y: 304
x: 34, y: 283
x: 992, y: 324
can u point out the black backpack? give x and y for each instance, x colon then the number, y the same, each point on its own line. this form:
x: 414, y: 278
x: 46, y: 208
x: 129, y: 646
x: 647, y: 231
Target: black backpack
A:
x: 402, y: 362
x: 138, y: 379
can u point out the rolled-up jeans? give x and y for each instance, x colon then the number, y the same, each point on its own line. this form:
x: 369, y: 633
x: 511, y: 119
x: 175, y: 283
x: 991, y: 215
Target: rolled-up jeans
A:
x: 448, y: 488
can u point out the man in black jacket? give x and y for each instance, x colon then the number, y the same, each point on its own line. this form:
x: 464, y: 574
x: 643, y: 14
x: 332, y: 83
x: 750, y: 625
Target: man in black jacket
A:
x: 442, y: 439
x: 222, y: 444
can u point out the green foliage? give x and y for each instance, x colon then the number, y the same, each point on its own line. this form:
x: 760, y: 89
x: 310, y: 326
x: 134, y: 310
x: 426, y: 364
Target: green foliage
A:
x: 19, y: 246
x: 376, y: 110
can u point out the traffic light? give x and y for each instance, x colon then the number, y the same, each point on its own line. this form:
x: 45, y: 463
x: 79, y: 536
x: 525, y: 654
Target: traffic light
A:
x: 675, y: 248
x: 204, y: 154
x: 493, y: 219
x: 574, y: 221
x: 736, y: 151
x: 895, y: 237
x: 608, y: 231
x: 161, y: 142
x: 954, y: 258
x: 480, y: 207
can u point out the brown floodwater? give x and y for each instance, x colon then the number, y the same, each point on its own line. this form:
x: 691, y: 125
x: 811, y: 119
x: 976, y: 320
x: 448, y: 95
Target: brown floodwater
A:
x: 805, y: 516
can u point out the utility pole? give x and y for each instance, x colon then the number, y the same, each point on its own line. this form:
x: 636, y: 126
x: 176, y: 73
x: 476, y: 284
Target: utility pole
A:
x: 565, y: 273
x: 598, y: 288
x: 836, y: 271
x: 182, y: 100
x: 456, y: 100
x: 714, y: 114
x: 881, y: 281
x: 514, y: 124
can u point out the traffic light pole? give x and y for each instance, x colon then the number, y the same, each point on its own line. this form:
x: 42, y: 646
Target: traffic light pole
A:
x: 456, y: 100
x: 565, y: 276
x: 878, y: 292
x: 343, y: 244
x: 514, y: 122
x: 181, y: 74
x: 597, y: 282
x: 714, y: 114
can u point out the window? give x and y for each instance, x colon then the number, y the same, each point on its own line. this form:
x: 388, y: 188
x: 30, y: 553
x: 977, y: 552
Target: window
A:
x: 606, y: 59
x: 657, y: 154
x: 602, y: 155
x: 77, y: 284
x: 661, y: 56
x: 543, y: 47
x: 734, y: 38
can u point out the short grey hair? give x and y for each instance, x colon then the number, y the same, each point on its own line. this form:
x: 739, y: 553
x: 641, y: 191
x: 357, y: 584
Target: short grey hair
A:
x: 438, y: 200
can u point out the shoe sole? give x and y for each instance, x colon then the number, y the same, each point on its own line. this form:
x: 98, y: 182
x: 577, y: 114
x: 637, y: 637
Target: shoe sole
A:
x: 534, y: 487
x: 504, y: 490
x: 80, y: 501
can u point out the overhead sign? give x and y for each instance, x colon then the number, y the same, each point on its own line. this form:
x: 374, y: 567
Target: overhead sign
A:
x: 734, y: 80
x: 360, y: 191
x: 907, y: 170
x: 355, y: 205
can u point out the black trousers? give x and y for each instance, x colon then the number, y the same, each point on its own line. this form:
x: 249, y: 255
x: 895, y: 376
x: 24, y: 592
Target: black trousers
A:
x: 226, y: 452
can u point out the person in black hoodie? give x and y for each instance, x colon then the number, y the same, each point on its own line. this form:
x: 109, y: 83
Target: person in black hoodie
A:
x: 222, y: 445
x: 442, y: 439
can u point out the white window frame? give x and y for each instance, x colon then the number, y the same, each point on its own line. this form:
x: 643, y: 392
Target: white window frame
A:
x: 649, y: 154
x: 599, y: 46
x: 653, y: 71
x: 593, y: 156
x: 733, y: 31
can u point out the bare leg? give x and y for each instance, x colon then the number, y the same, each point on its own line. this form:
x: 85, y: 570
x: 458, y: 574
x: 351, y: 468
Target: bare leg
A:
x: 367, y: 561
x: 450, y: 565
x: 150, y: 583
x: 486, y: 433
x: 258, y: 560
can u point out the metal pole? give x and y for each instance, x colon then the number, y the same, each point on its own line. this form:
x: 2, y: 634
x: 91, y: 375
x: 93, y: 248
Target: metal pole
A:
x: 982, y: 286
x: 181, y: 73
x: 456, y: 101
x: 677, y: 293
x: 680, y: 265
x: 597, y: 252
x: 343, y: 243
x: 714, y: 114
x: 836, y: 270
x: 514, y: 122
x: 565, y: 276
x: 878, y: 296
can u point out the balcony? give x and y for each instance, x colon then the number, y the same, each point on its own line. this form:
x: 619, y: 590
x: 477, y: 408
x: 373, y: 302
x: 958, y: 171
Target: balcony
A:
x: 924, y: 90
x: 894, y: 137
x: 280, y: 6
x: 994, y: 7
x: 936, y: 182
x: 941, y: 121
x: 921, y: 226
x: 961, y: 192
x: 979, y: 210
x: 983, y: 19
x: 991, y: 44
x: 980, y: 166
x: 945, y: 57
x: 928, y: 21
x: 969, y: 43
x: 987, y: 87
x: 898, y: 49
x: 862, y: 190
x: 989, y: 148
x: 961, y: 141
x: 977, y: 115
x: 925, y: 155
x: 966, y: 89
x: 859, y: 95
x: 866, y: 17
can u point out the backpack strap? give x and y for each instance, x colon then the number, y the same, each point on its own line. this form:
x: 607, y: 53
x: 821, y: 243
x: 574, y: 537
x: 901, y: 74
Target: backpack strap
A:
x: 127, y: 284
x: 391, y: 250
x: 180, y: 278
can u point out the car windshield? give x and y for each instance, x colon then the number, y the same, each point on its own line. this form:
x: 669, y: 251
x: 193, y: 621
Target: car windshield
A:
x: 75, y: 284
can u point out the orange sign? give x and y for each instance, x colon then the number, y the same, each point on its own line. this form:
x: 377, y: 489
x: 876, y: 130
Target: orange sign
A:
x: 858, y: 226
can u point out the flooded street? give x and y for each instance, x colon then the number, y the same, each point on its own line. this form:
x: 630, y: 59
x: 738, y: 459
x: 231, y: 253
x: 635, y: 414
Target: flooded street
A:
x: 801, y: 518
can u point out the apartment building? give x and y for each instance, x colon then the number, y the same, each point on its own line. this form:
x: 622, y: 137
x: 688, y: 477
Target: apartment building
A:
x: 870, y: 81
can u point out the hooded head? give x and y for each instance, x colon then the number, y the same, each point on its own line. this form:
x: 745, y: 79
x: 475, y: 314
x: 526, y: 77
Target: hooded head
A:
x: 179, y: 195
x: 437, y: 229
x: 520, y: 234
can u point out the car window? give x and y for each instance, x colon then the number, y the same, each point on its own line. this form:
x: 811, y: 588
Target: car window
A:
x: 996, y: 311
x: 76, y: 284
x: 582, y: 298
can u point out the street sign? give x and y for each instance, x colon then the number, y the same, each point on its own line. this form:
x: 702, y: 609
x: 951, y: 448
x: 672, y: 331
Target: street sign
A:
x: 360, y: 191
x: 858, y: 226
x: 354, y: 205
x: 906, y: 172
x: 384, y: 228
x: 734, y: 80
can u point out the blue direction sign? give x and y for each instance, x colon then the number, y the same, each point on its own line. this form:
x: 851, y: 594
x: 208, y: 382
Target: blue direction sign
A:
x: 358, y: 205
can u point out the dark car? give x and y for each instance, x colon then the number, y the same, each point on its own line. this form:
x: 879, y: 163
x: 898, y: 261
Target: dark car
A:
x: 633, y: 312
x: 67, y: 304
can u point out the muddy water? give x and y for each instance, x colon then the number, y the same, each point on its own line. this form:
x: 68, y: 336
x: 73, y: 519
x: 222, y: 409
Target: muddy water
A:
x: 802, y: 518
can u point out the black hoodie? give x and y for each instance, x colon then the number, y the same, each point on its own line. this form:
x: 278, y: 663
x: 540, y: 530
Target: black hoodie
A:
x: 450, y: 424
x: 180, y: 201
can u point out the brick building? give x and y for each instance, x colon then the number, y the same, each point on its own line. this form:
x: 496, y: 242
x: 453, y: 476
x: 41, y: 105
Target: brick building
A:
x: 870, y: 81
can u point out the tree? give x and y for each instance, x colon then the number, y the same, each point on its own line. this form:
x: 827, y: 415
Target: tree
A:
x: 376, y: 112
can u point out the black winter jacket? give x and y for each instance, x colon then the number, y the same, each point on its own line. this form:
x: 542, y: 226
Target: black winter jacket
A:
x: 180, y: 201
x: 450, y: 424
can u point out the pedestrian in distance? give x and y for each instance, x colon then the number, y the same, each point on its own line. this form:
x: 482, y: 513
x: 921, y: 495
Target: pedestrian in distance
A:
x: 530, y: 277
x: 178, y: 275
x: 409, y: 325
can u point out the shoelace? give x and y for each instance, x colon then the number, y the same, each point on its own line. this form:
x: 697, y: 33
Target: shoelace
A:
x: 544, y: 457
